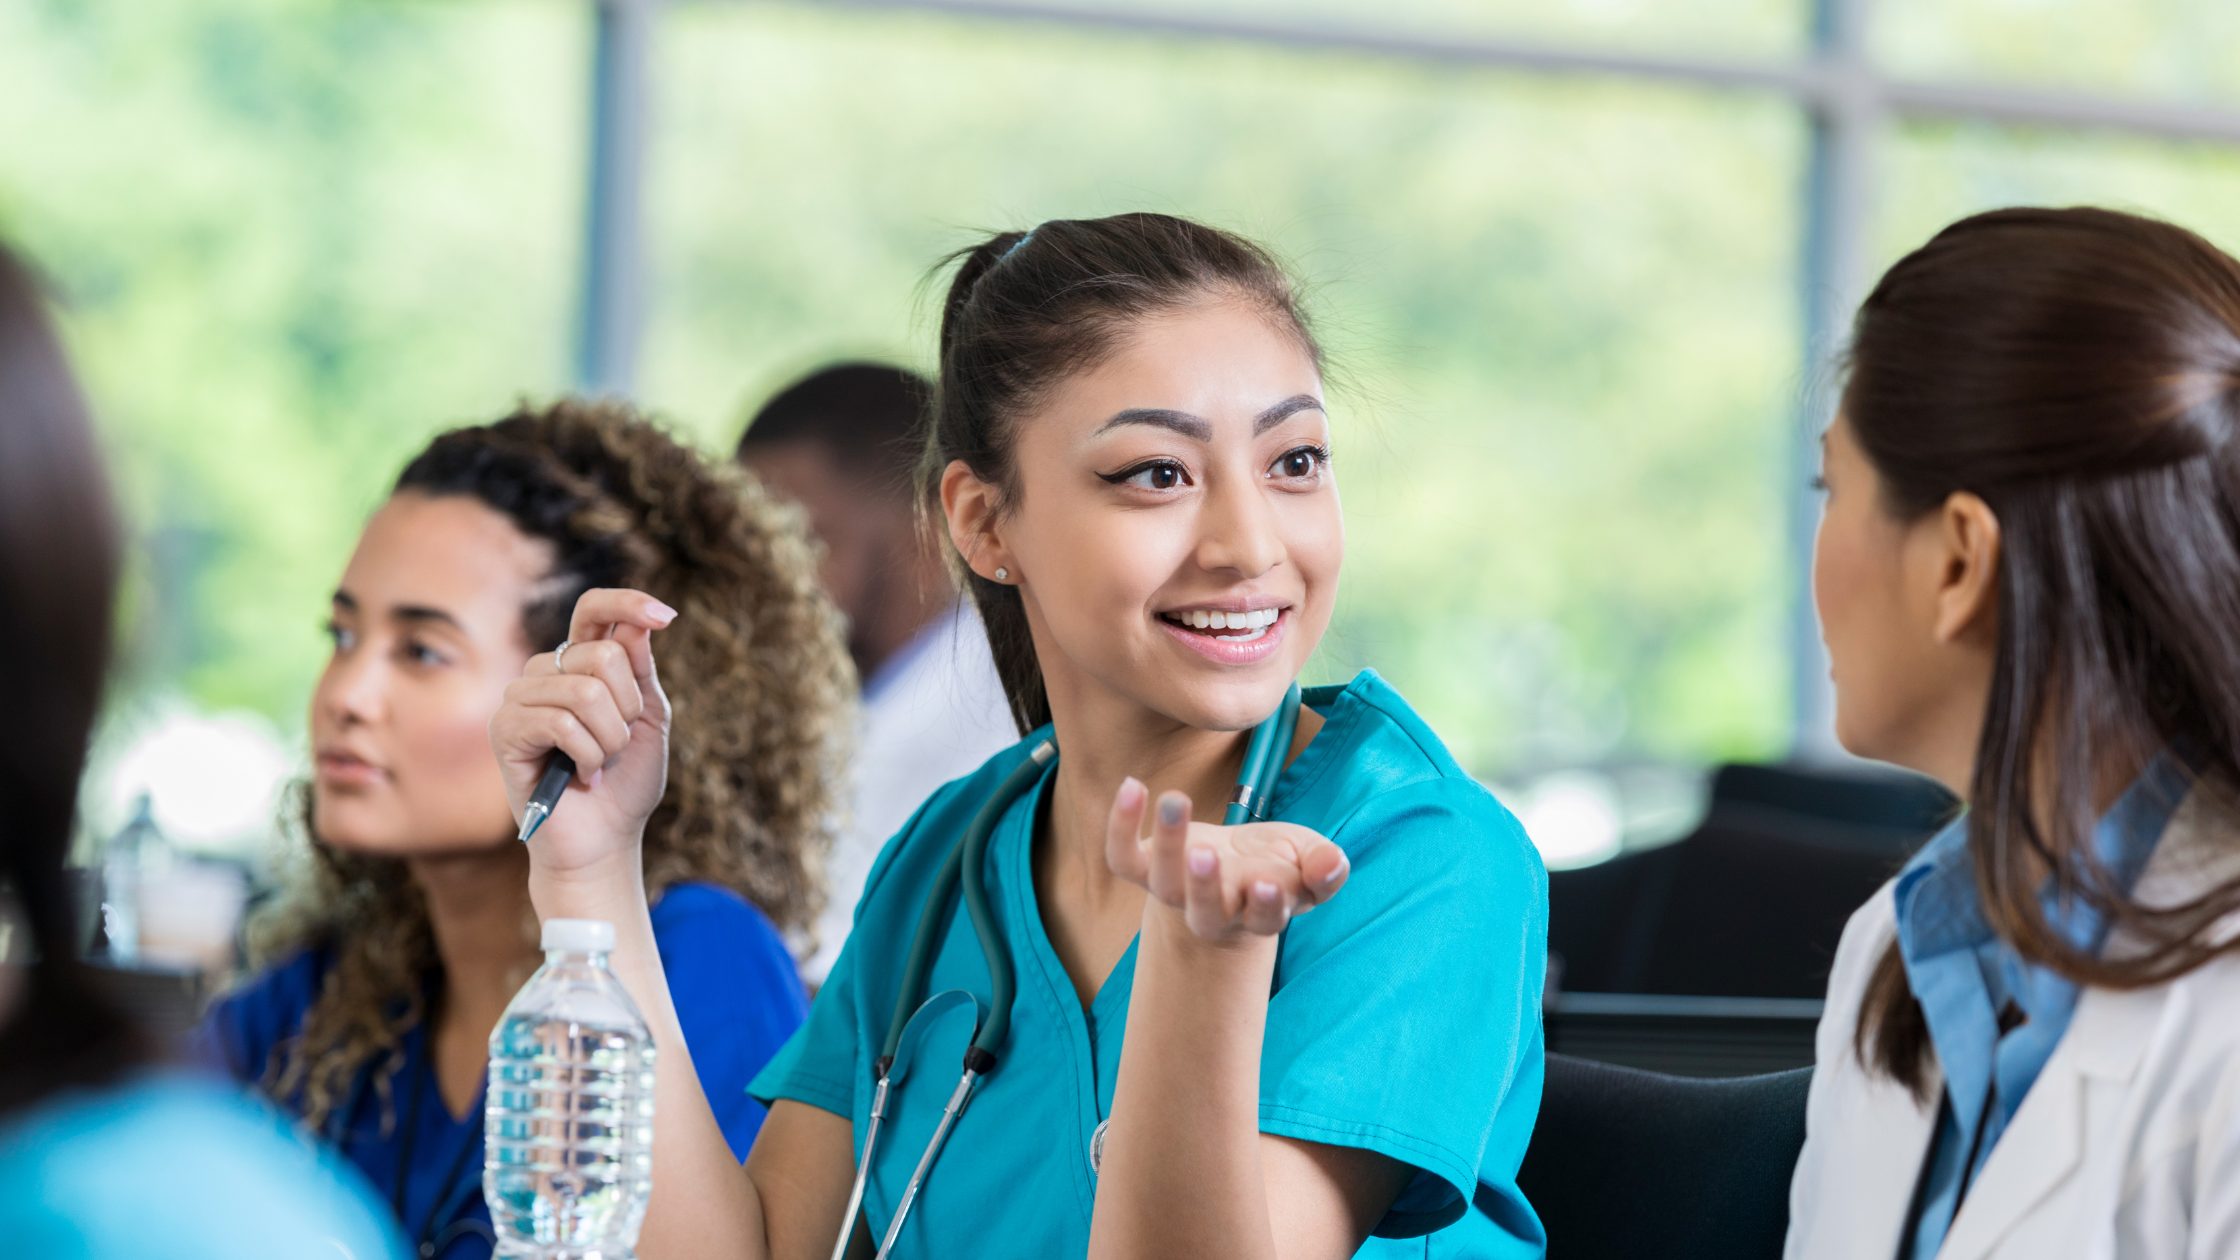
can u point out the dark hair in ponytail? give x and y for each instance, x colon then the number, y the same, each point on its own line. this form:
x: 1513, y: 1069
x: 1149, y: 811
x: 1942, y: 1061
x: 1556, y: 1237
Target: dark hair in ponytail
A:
x: 2079, y: 370
x: 1027, y: 309
x: 58, y: 577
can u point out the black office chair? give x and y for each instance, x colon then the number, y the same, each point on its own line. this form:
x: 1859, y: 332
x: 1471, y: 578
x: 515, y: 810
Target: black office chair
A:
x: 1753, y: 903
x: 1629, y: 1165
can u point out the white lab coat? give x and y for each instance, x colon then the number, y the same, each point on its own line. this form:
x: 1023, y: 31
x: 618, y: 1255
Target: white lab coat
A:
x: 2126, y: 1148
x: 937, y: 718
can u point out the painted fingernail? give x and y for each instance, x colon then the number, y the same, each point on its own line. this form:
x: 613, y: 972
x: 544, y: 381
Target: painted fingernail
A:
x: 1336, y: 871
x: 663, y: 611
x: 1131, y: 792
x: 1201, y: 862
x: 597, y: 775
x: 1265, y: 891
x: 1170, y: 811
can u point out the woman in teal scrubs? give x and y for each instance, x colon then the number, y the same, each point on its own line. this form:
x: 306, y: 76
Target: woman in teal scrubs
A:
x: 1313, y: 1036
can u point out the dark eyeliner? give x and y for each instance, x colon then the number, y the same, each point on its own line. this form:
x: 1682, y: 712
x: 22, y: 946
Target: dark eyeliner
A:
x: 1117, y: 478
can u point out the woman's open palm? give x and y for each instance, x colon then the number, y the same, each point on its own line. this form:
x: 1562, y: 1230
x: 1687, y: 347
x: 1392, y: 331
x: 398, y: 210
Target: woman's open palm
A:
x: 1229, y: 882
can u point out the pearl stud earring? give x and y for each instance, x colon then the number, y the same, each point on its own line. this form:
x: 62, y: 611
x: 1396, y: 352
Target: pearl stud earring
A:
x: 1003, y: 575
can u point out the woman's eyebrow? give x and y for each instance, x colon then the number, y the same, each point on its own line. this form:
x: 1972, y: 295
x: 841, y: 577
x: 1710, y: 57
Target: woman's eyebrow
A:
x: 1181, y: 422
x: 422, y: 613
x: 1193, y: 427
x: 1283, y: 411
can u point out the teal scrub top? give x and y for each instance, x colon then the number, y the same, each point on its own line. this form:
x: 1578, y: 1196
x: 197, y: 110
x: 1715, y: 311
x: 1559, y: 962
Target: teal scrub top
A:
x: 1405, y: 1017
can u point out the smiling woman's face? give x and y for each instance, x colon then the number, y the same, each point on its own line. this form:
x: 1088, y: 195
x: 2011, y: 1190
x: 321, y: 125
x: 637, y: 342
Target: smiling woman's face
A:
x: 1183, y: 479
x: 427, y: 633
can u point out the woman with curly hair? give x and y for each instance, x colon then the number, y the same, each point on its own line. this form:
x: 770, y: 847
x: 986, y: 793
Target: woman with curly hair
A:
x: 408, y: 926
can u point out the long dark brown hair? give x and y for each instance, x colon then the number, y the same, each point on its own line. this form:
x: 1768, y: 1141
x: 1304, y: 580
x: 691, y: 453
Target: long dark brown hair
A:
x: 1027, y: 309
x: 58, y: 577
x: 2078, y: 370
x: 759, y: 683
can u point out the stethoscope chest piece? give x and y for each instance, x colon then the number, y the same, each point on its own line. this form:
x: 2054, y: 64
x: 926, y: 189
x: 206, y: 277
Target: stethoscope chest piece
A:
x: 1096, y: 1147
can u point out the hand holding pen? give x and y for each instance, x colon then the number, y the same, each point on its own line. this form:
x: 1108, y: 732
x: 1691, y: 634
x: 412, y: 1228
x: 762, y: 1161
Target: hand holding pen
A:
x: 598, y: 704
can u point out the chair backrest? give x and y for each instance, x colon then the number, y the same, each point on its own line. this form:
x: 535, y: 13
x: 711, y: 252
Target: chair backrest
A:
x: 1753, y: 903
x: 1631, y: 1165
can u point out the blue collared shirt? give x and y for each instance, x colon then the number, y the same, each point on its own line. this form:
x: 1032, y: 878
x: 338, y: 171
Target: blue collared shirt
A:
x: 1964, y: 975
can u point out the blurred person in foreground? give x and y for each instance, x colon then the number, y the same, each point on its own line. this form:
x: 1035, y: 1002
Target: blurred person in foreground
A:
x: 101, y: 1155
x: 408, y: 927
x: 842, y: 442
x: 2028, y: 576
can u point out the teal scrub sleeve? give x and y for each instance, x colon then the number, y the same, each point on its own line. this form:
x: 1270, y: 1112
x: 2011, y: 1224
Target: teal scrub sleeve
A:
x: 816, y: 1063
x: 1406, y: 1019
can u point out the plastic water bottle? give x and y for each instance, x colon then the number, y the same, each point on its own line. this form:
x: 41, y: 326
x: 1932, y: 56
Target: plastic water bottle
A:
x: 568, y: 1126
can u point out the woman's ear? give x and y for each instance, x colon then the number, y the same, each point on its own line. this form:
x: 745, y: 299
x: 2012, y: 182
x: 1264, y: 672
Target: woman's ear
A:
x: 969, y: 504
x: 1967, y: 597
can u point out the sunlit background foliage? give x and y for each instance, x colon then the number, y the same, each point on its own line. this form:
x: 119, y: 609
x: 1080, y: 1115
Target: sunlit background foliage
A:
x: 293, y: 238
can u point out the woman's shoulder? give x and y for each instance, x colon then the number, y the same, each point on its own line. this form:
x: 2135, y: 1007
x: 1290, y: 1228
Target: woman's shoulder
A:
x: 290, y: 981
x: 912, y: 853
x: 264, y: 1009
x: 695, y: 920
x: 737, y: 989
x: 1376, y: 779
x: 195, y: 1160
x: 697, y: 903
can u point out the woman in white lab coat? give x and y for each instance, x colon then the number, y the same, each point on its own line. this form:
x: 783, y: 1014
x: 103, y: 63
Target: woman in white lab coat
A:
x: 2028, y: 576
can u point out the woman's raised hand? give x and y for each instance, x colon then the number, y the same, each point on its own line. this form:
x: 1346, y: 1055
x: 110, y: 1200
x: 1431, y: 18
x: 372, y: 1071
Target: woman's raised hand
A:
x: 1230, y: 883
x: 602, y: 705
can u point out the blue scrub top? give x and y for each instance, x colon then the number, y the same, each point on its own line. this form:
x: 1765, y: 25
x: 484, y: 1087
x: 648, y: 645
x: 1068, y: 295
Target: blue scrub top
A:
x: 164, y: 1165
x: 1405, y: 1018
x: 738, y: 997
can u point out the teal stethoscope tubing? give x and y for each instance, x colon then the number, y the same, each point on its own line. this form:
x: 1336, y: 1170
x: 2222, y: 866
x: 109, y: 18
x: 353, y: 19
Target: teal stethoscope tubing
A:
x: 966, y: 864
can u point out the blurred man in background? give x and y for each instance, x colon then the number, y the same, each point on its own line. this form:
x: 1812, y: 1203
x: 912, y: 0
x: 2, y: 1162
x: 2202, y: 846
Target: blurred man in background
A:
x: 842, y: 442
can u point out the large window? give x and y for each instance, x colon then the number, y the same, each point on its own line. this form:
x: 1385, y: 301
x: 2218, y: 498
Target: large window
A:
x: 291, y: 241
x: 1561, y: 316
x: 1574, y: 262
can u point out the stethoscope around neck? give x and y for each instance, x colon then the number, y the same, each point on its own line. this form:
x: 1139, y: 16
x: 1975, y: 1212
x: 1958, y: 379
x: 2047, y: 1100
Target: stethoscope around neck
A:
x: 967, y: 865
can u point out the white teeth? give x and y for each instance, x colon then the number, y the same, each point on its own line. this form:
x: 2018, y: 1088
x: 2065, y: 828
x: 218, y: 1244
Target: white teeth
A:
x: 1257, y: 620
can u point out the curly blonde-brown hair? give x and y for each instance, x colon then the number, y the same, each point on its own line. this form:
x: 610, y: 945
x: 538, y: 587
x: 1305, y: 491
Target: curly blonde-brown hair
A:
x: 759, y: 683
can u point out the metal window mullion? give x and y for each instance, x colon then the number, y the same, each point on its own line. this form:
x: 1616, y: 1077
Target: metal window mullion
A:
x: 1839, y: 196
x: 1840, y: 30
x: 611, y: 315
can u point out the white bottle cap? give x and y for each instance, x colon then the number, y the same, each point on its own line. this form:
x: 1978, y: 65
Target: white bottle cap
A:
x: 579, y: 936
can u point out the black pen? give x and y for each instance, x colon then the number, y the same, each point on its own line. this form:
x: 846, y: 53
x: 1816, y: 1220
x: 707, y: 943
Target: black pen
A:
x: 557, y: 772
